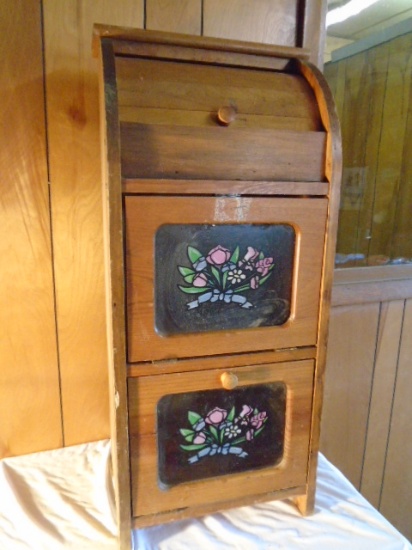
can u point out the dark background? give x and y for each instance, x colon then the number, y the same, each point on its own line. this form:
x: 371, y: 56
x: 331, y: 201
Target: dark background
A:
x: 172, y: 415
x: 271, y: 302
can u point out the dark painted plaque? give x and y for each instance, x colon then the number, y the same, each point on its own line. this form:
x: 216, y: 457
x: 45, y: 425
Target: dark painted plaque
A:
x: 222, y: 277
x: 217, y: 432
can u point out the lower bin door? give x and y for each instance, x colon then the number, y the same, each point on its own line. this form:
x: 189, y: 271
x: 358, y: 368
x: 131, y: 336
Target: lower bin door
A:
x: 208, y: 438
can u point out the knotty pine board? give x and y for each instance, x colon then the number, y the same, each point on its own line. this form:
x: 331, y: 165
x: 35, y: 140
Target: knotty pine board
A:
x: 30, y: 416
x: 76, y: 194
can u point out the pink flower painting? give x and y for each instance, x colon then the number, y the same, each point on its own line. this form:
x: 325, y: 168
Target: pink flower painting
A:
x: 222, y: 432
x: 218, y: 255
x: 220, y: 276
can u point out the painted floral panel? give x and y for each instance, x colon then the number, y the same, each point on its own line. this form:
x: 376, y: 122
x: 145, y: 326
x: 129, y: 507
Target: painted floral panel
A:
x: 218, y: 432
x: 222, y: 277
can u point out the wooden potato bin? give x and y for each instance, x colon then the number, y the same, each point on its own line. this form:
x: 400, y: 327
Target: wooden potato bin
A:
x: 222, y: 170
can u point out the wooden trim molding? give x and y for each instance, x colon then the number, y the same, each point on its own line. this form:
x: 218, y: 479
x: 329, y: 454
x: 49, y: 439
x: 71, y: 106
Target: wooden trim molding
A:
x: 372, y: 284
x: 160, y: 38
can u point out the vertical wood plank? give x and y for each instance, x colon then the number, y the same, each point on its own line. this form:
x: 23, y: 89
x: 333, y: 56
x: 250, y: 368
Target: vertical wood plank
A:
x: 390, y: 326
x: 375, y: 217
x: 397, y: 484
x: 377, y: 60
x: 401, y: 241
x: 267, y: 21
x: 30, y: 418
x: 182, y: 16
x: 75, y: 170
x: 314, y: 30
x: 335, y: 74
x: 396, y: 490
x: 354, y: 126
x: 349, y: 372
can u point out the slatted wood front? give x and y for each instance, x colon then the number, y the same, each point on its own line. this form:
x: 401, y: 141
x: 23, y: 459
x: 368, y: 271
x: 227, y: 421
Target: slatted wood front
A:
x: 217, y: 153
x: 170, y: 129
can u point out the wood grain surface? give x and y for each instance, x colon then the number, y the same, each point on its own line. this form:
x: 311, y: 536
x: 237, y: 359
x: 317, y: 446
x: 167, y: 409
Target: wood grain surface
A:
x: 221, y: 153
x: 367, y: 387
x: 144, y: 394
x: 307, y: 216
x: 183, y: 16
x: 372, y: 90
x: 348, y: 385
x: 270, y: 21
x: 155, y: 84
x: 395, y: 501
x: 378, y: 428
x: 75, y: 172
x: 30, y: 415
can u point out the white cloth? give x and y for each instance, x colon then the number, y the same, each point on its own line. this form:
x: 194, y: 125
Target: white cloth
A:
x: 63, y: 499
x: 343, y: 520
x: 58, y: 499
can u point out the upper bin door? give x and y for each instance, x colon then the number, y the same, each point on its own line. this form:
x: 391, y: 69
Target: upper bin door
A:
x: 192, y: 121
x: 216, y: 275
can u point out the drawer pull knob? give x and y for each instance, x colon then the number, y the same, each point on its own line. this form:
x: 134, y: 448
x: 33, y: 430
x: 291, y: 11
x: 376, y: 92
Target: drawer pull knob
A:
x: 226, y: 115
x: 229, y: 380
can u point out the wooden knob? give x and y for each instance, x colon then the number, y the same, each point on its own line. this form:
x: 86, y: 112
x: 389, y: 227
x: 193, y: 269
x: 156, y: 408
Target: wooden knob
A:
x: 226, y: 114
x: 229, y: 380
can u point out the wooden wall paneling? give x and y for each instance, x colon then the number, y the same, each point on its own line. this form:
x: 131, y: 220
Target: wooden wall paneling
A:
x: 267, y: 21
x: 182, y: 16
x: 377, y: 60
x: 386, y: 360
x: 376, y: 132
x: 30, y: 418
x: 397, y: 484
x: 371, y: 292
x: 332, y: 72
x: 354, y: 124
x: 349, y: 372
x: 375, y: 274
x: 72, y: 108
x: 391, y: 149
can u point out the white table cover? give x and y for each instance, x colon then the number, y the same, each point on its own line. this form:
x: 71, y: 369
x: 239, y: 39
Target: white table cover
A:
x: 64, y: 499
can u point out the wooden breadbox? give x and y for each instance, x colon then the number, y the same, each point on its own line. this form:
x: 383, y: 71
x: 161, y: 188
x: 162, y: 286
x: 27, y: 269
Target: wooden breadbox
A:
x: 222, y: 170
